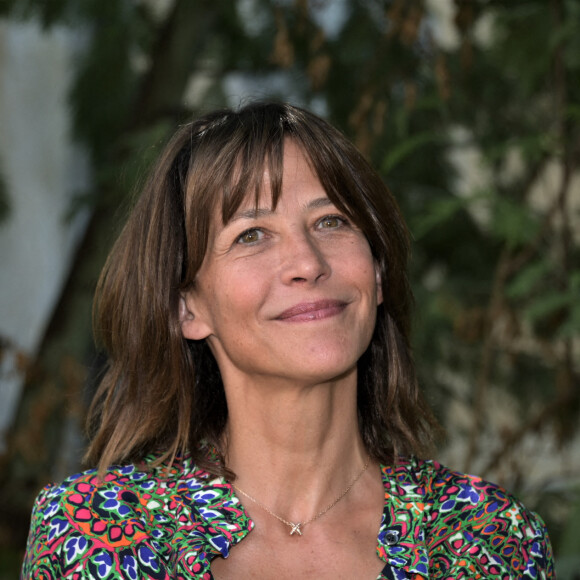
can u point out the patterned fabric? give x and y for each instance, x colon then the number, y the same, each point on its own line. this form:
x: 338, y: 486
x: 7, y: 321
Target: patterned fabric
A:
x: 444, y: 524
x: 141, y: 524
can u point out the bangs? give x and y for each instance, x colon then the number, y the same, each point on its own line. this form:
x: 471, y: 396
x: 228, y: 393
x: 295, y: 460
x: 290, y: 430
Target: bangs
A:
x: 234, y: 152
x: 246, y: 182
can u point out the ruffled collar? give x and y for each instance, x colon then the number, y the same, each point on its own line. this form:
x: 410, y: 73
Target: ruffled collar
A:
x: 222, y: 517
x: 222, y: 521
x: 401, y: 541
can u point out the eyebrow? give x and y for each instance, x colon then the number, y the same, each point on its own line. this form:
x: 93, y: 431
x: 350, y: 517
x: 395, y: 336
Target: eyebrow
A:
x: 254, y: 213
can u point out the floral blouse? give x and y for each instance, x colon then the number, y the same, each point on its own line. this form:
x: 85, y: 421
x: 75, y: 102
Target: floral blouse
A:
x: 142, y: 524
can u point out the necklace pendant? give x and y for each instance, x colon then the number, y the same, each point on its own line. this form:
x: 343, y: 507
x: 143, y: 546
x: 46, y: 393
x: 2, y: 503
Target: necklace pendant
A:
x: 296, y: 529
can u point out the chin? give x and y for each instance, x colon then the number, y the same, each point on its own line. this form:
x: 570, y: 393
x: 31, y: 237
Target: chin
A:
x: 327, y: 368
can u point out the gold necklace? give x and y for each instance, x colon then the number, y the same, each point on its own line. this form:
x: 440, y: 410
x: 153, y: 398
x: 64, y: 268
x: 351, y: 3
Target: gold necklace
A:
x: 296, y: 527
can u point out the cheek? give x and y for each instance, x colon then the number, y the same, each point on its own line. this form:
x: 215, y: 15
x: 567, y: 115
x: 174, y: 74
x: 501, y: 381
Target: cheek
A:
x: 362, y: 265
x: 236, y: 293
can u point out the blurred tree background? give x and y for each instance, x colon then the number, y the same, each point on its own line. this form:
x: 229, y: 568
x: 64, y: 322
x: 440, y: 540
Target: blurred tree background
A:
x: 473, y: 120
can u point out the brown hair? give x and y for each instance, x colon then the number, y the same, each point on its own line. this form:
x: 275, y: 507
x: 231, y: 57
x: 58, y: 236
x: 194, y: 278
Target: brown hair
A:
x: 163, y: 394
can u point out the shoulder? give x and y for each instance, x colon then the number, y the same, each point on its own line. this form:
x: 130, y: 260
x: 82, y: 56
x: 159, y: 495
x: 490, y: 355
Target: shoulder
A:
x: 83, y: 498
x: 470, y: 520
x: 126, y: 521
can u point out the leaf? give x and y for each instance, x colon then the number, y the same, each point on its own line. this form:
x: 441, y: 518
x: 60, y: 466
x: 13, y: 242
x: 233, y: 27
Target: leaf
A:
x: 513, y: 223
x: 527, y: 278
x: 546, y: 305
x: 531, y: 146
x: 410, y: 146
x: 436, y: 214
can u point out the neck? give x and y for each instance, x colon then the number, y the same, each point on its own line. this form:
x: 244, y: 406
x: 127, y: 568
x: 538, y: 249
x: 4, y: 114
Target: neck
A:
x: 294, y: 448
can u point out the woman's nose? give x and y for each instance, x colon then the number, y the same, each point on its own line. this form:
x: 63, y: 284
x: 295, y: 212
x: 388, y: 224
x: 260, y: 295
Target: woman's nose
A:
x: 304, y: 260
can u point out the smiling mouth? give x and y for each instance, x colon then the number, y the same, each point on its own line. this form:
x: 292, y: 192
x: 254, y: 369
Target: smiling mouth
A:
x: 307, y: 311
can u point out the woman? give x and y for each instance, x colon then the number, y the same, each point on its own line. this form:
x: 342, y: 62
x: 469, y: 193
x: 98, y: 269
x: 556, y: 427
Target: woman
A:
x: 261, y: 403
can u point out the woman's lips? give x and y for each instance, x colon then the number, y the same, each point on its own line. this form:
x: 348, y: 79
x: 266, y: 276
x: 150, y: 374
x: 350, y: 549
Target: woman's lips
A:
x: 312, y: 310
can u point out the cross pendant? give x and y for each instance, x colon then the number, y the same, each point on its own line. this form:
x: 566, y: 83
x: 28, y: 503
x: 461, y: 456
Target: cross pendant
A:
x: 296, y: 529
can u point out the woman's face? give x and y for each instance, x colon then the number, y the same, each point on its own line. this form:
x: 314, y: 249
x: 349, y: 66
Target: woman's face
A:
x: 289, y: 293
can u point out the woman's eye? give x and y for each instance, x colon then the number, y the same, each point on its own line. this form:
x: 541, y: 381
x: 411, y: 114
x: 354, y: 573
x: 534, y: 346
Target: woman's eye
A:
x: 250, y: 237
x: 331, y: 221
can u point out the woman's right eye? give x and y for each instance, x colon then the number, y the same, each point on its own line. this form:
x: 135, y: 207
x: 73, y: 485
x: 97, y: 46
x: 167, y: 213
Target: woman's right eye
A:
x: 250, y: 236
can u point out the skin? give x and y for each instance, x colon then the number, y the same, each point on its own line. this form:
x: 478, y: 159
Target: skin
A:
x: 286, y: 300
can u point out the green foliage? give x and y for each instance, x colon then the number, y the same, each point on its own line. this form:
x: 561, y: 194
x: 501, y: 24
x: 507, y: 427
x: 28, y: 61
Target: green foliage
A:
x: 410, y: 145
x: 105, y: 86
x: 436, y: 214
x: 527, y: 278
x: 512, y: 222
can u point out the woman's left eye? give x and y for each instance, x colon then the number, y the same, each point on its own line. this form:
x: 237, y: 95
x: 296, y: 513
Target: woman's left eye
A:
x: 331, y: 222
x: 250, y: 237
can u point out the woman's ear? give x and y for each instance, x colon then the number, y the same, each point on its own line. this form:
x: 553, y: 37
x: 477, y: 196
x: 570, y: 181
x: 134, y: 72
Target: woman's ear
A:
x: 379, y: 283
x: 192, y: 327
